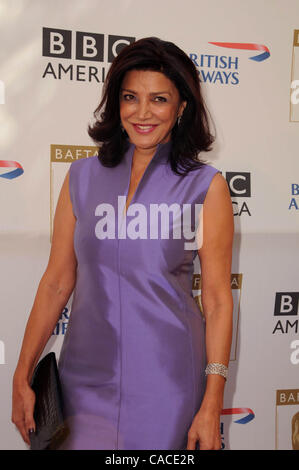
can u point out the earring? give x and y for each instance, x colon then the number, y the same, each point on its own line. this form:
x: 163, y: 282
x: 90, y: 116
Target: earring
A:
x: 122, y: 127
x: 179, y: 120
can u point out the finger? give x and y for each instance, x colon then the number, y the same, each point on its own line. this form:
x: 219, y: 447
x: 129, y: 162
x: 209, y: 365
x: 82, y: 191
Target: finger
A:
x: 28, y: 411
x: 29, y: 421
x: 205, y: 447
x: 25, y: 436
x: 22, y: 430
x: 19, y: 421
x: 218, y: 445
x: 191, y: 443
x: 206, y: 444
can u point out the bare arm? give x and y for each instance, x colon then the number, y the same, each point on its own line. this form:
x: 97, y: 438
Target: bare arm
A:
x: 54, y: 290
x: 215, y: 259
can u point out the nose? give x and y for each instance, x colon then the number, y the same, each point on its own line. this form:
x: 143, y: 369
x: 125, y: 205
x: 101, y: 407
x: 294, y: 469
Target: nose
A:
x: 143, y: 110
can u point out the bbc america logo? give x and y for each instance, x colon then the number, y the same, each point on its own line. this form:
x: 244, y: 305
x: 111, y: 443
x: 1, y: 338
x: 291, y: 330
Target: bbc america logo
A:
x: 239, y: 184
x: 286, y: 305
x: 84, y: 46
x: 88, y: 46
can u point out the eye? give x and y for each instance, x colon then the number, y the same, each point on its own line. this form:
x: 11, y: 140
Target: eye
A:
x: 160, y: 99
x: 128, y: 97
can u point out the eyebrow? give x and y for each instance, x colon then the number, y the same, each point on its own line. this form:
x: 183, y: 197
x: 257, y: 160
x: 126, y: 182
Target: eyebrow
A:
x: 154, y: 93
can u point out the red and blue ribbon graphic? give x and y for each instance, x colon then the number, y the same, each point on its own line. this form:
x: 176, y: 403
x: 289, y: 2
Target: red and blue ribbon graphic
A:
x: 248, y: 47
x: 11, y: 164
x: 236, y: 411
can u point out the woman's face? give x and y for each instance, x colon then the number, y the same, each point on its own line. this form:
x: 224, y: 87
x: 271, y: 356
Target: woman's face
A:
x: 149, y: 107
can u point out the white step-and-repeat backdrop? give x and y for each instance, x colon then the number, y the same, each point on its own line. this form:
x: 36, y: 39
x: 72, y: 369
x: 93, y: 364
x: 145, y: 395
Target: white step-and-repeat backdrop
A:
x: 54, y: 58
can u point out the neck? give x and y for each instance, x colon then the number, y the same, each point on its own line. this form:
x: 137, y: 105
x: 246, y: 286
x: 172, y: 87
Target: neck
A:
x: 143, y: 156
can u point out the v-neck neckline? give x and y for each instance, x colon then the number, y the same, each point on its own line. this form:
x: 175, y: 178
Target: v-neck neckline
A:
x: 160, y: 157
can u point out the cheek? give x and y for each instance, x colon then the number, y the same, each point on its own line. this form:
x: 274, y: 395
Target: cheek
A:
x: 125, y: 110
x: 168, y: 115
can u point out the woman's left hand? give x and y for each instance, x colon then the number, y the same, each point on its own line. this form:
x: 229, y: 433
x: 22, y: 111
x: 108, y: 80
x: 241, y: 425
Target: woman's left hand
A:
x: 205, y: 429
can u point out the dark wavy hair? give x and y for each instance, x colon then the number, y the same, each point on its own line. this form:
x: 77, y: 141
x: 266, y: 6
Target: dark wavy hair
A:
x: 189, y: 138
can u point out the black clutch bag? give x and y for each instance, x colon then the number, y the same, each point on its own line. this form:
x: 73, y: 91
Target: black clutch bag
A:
x: 50, y: 427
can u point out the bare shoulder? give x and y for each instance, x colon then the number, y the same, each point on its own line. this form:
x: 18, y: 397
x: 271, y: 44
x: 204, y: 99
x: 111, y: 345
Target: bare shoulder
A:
x: 218, y: 186
x: 218, y: 226
x: 218, y: 196
x: 64, y: 201
x: 64, y: 219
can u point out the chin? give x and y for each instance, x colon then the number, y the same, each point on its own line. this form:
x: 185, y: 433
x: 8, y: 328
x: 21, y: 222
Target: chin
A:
x: 144, y: 143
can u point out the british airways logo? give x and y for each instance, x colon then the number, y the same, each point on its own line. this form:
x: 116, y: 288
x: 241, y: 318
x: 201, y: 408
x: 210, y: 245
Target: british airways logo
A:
x: 248, y: 47
x: 247, y: 412
x: 225, y: 69
x: 10, y: 169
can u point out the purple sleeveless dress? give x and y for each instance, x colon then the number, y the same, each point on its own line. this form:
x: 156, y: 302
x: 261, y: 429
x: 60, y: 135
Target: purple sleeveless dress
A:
x: 133, y: 358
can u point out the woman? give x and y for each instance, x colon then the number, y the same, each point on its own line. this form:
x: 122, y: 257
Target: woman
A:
x: 134, y: 357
